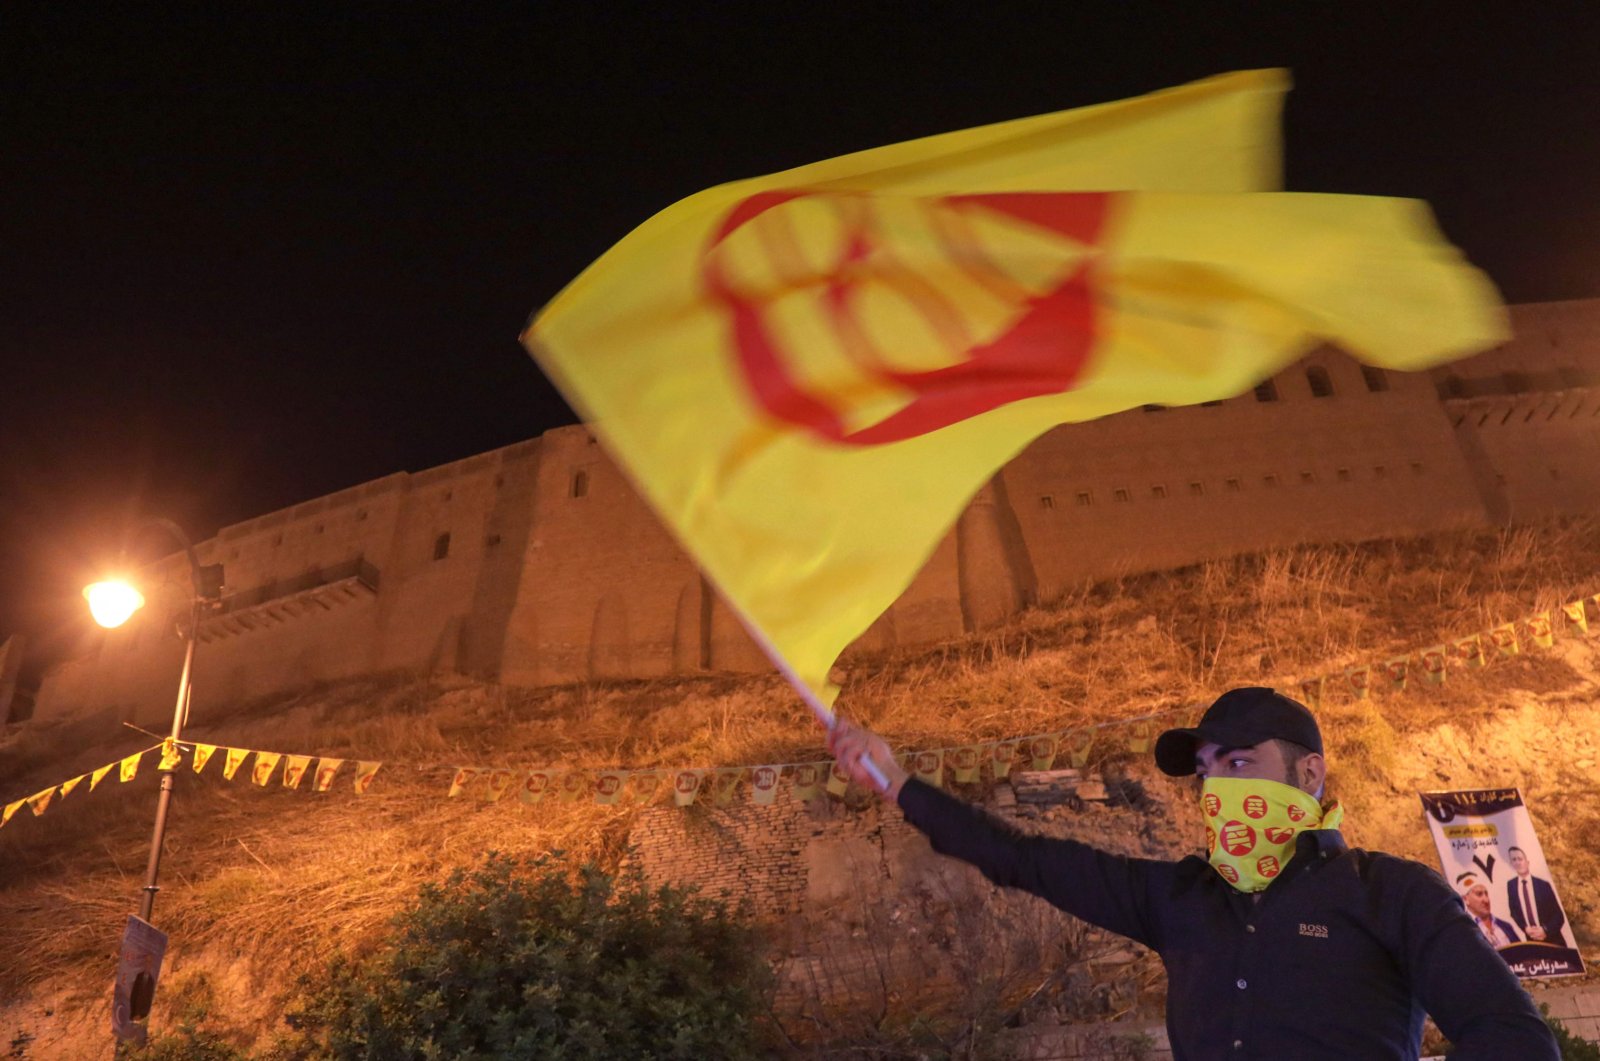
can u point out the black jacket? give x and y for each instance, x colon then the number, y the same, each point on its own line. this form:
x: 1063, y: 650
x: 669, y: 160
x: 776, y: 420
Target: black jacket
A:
x: 1338, y: 959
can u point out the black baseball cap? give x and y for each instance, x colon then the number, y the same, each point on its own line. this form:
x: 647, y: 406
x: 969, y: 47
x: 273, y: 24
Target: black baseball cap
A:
x: 1240, y: 718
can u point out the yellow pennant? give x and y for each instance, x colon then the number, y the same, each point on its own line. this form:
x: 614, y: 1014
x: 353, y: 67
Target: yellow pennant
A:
x: 727, y: 785
x: 68, y: 786
x: 98, y: 775
x: 365, y: 772
x: 1042, y: 751
x: 929, y: 767
x: 576, y: 785
x: 644, y: 785
x: 171, y: 755
x: 202, y: 755
x: 11, y: 809
x: 1311, y: 692
x: 235, y: 759
x: 964, y: 764
x: 686, y: 786
x: 1079, y: 746
x: 1360, y: 681
x: 294, y: 768
x: 609, y: 785
x: 497, y: 784
x: 1575, y: 617
x: 764, y: 784
x: 1433, y: 663
x: 838, y: 781
x: 40, y: 800
x: 1469, y: 650
x: 1504, y: 638
x: 535, y: 786
x: 326, y: 769
x: 266, y: 762
x: 806, y: 781
x: 1395, y: 669
x: 1540, y: 632
x: 463, y: 779
x: 130, y: 766
x: 1140, y: 736
x: 1001, y: 757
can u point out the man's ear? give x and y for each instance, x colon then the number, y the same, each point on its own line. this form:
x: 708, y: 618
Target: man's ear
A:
x: 1313, y: 772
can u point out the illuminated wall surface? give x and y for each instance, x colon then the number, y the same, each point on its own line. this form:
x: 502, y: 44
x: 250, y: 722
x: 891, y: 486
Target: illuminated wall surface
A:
x: 537, y: 564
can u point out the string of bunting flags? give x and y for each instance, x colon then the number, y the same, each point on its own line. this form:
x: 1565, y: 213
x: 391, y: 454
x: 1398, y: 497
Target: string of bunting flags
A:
x: 965, y: 764
x: 1471, y: 651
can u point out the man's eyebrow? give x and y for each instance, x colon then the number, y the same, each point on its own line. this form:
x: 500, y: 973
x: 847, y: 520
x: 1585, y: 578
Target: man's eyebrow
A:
x: 1224, y: 751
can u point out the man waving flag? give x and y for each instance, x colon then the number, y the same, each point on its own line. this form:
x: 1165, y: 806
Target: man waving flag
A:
x: 809, y: 374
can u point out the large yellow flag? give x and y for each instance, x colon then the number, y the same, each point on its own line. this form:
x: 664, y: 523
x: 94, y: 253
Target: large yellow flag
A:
x: 810, y: 373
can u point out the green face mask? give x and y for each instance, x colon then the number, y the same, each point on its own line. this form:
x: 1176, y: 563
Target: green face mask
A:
x: 1251, y: 827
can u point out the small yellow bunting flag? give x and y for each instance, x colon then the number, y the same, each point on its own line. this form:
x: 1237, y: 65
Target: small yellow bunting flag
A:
x: 609, y: 786
x: 1002, y: 756
x: 99, y: 775
x: 644, y: 785
x: 764, y: 784
x: 463, y: 779
x: 1140, y: 736
x: 929, y: 768
x: 1469, y: 650
x: 365, y: 772
x: 1504, y: 638
x: 1575, y: 617
x: 326, y: 769
x: 236, y: 758
x: 1311, y: 692
x: 171, y: 755
x: 686, y: 786
x: 202, y: 755
x: 806, y: 782
x: 40, y: 800
x: 1042, y: 752
x: 964, y: 763
x: 294, y: 768
x: 497, y: 784
x: 727, y: 785
x: 575, y: 786
x: 534, y: 786
x: 1080, y: 747
x: 1360, y: 681
x: 10, y: 811
x: 130, y: 766
x: 266, y: 762
x: 1433, y: 663
x: 68, y: 786
x: 838, y: 781
x: 1396, y: 669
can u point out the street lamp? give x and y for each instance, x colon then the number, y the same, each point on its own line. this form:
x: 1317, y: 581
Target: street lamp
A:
x: 111, y: 604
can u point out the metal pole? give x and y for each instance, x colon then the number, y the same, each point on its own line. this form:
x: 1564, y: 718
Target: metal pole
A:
x: 148, y: 901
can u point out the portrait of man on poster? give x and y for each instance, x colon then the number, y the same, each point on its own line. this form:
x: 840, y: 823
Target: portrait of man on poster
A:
x: 1533, y: 903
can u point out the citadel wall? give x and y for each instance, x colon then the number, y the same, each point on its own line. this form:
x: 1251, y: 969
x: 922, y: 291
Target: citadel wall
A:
x: 539, y: 564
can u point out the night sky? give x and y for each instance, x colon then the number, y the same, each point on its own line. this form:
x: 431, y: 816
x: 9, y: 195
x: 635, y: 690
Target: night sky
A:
x: 256, y: 255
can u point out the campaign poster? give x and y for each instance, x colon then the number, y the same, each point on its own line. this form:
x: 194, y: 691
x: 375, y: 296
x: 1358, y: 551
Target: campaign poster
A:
x: 1490, y: 855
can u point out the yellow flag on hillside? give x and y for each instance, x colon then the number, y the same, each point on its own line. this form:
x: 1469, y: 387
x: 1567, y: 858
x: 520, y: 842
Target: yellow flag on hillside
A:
x: 171, y: 755
x: 11, y: 810
x: 232, y: 761
x: 202, y: 755
x: 294, y: 768
x: 99, y: 774
x: 130, y: 766
x: 810, y: 373
x: 266, y: 762
x: 326, y: 769
x: 40, y: 800
x: 68, y: 786
x: 365, y: 772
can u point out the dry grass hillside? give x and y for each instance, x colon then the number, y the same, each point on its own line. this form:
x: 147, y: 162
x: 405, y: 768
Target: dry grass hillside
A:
x: 260, y: 884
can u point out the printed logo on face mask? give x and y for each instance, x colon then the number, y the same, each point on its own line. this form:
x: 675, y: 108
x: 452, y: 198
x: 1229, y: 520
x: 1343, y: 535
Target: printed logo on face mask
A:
x: 1229, y: 874
x: 1295, y: 813
x: 1211, y: 839
x: 1238, y: 838
x: 1278, y: 834
x: 1255, y: 806
x: 1213, y: 804
x: 1267, y: 866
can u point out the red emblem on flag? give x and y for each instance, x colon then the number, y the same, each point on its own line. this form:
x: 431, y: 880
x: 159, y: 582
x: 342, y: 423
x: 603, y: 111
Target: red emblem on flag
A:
x: 1295, y: 813
x: 1042, y: 351
x: 1255, y: 806
x: 536, y: 783
x: 1278, y: 834
x: 687, y: 781
x: 1213, y: 804
x: 1229, y: 874
x: 1267, y: 866
x: 1238, y: 838
x: 927, y: 762
x: 765, y: 778
x: 608, y: 784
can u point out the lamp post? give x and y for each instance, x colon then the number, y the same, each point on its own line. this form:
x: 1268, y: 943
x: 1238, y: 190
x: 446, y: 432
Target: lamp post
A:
x: 111, y: 604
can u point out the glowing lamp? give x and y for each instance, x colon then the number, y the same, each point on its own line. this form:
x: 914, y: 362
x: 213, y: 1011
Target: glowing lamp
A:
x: 112, y: 602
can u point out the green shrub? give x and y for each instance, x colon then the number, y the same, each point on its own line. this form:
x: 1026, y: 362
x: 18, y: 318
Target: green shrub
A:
x: 526, y: 958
